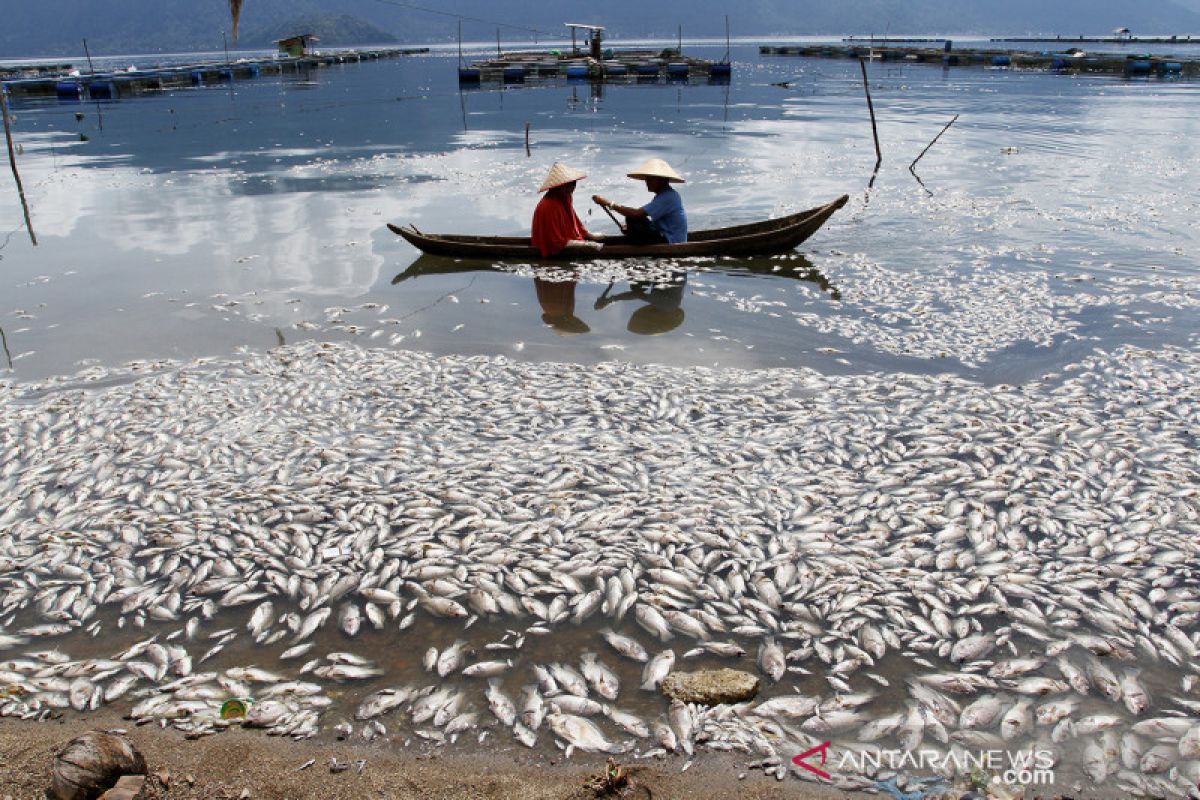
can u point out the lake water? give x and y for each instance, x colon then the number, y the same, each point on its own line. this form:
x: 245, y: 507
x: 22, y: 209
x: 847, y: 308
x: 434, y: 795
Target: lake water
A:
x: 978, y: 464
x: 1056, y: 214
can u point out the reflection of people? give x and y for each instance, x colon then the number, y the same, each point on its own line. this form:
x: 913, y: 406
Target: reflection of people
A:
x: 663, y: 309
x: 558, y: 306
x: 556, y: 226
x: 663, y: 219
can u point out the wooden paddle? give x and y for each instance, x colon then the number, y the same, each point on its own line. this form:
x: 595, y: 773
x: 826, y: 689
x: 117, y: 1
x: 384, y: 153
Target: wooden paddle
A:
x: 614, y: 219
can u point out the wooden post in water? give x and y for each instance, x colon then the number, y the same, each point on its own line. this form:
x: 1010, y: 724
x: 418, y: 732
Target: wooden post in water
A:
x: 498, y: 53
x: 7, y: 354
x: 12, y: 162
x: 228, y: 64
x: 871, y: 108
x: 528, y: 152
x: 680, y: 50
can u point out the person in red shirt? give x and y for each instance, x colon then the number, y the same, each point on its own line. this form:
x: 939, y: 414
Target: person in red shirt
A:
x: 556, y: 226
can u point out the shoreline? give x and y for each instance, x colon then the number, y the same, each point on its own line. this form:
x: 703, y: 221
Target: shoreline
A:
x: 226, y: 764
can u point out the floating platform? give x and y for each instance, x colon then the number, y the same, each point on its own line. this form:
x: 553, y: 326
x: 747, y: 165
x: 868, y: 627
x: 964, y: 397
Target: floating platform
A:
x: 1065, y: 62
x: 19, y: 71
x: 1104, y: 40
x: 114, y: 85
x: 642, y: 66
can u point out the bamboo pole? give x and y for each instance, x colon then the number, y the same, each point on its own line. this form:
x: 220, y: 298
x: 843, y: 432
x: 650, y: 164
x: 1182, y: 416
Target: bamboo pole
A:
x: 12, y: 162
x: 871, y: 108
x: 931, y: 144
x: 86, y: 52
x: 7, y: 354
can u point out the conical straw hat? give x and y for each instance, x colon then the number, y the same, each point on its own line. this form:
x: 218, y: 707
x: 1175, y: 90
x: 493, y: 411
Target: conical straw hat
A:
x: 648, y: 320
x: 657, y: 168
x: 559, y: 174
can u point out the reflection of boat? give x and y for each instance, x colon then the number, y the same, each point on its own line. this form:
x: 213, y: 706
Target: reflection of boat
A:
x: 796, y: 268
x: 756, y: 238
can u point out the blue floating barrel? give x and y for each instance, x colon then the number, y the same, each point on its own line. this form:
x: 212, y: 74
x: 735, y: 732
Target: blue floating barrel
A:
x: 646, y: 69
x: 514, y: 73
x: 225, y: 74
x: 102, y: 90
x: 615, y: 68
x: 678, y: 70
x: 1001, y: 61
x: 469, y: 74
x: 1058, y: 64
x: 255, y: 70
x: 197, y: 76
x: 577, y: 71
x: 1138, y: 66
x: 68, y: 90
x: 720, y: 68
x: 1170, y: 68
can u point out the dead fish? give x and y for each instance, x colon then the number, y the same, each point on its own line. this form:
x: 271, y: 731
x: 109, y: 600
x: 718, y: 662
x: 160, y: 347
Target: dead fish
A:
x: 451, y: 659
x: 382, y: 702
x: 1074, y: 675
x: 972, y: 648
x: 1105, y: 680
x: 572, y: 704
x: 982, y: 714
x: 1050, y: 713
x: 664, y: 736
x: 787, y: 706
x: 487, y: 669
x: 311, y: 623
x: 1134, y: 694
x: 261, y: 619
x: 625, y: 646
x: 653, y: 621
x: 582, y: 734
x: 296, y: 651
x: 629, y: 722
x: 569, y: 680
x: 771, y: 660
x: 657, y: 669
x: 339, y: 672
x: 500, y: 704
x: 533, y: 708
x: 684, y: 725
x: 1017, y: 721
x: 602, y: 679
x: 350, y: 619
x: 725, y: 649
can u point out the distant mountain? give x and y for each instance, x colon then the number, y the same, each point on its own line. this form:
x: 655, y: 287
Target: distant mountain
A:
x: 141, y: 26
x: 330, y: 30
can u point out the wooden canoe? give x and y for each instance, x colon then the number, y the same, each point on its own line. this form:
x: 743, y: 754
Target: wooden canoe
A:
x: 755, y: 238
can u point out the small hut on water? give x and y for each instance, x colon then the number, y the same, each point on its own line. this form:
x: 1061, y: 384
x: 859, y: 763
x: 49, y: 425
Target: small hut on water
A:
x: 296, y: 46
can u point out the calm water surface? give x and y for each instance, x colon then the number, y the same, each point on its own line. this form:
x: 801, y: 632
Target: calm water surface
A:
x: 1055, y: 216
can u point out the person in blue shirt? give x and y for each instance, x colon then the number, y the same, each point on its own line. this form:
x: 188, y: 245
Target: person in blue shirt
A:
x: 662, y: 220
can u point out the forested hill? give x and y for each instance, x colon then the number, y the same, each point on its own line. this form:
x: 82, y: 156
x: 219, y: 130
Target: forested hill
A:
x: 147, y: 26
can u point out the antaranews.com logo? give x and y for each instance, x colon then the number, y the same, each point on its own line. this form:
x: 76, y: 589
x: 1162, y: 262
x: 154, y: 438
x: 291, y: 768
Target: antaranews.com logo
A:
x: 1025, y: 767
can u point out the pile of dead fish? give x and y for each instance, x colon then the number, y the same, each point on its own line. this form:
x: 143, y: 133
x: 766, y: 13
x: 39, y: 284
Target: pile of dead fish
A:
x: 917, y: 563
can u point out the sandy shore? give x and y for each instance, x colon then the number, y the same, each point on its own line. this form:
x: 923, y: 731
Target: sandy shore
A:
x: 227, y: 765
